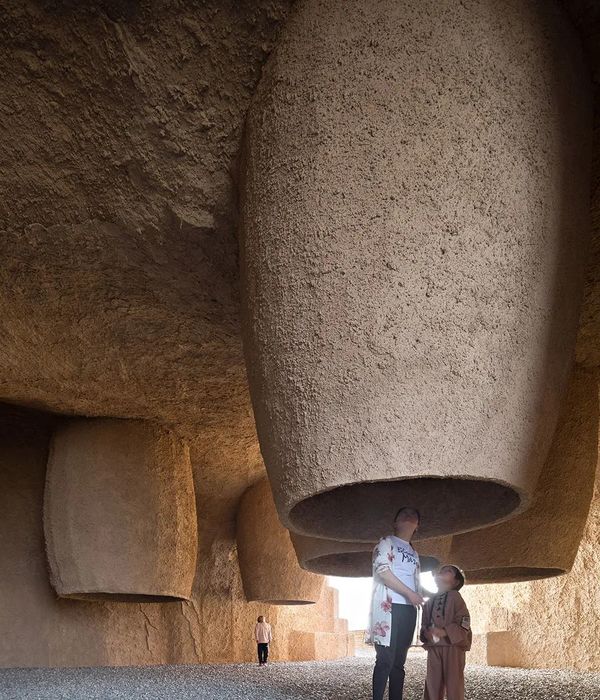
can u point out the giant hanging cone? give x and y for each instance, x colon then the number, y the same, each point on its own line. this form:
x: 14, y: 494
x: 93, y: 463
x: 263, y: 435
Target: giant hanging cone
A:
x: 335, y: 558
x: 544, y: 540
x: 332, y: 557
x: 414, y: 209
x: 120, y: 512
x: 268, y: 563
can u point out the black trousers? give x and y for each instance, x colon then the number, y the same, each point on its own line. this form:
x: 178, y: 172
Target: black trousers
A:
x: 263, y: 653
x: 390, y: 660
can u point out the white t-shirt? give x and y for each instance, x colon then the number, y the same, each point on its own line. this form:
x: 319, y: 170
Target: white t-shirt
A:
x: 404, y: 566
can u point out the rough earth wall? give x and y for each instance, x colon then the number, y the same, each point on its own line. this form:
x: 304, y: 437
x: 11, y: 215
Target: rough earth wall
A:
x: 551, y: 623
x: 555, y: 622
x: 119, y: 131
x: 214, y: 626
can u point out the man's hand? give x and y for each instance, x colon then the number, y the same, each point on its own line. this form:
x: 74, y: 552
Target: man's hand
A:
x: 438, y: 632
x: 395, y: 584
x: 415, y: 599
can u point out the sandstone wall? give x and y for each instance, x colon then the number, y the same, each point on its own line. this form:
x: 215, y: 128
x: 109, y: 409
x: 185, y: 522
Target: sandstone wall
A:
x: 268, y: 562
x: 120, y: 128
x: 119, y: 512
x: 554, y: 622
x: 548, y: 623
x: 39, y: 629
x: 119, y: 133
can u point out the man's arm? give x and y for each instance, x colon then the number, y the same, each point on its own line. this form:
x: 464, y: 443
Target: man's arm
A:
x: 396, y: 585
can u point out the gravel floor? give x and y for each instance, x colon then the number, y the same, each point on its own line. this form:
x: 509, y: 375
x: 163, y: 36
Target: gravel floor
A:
x: 348, y: 679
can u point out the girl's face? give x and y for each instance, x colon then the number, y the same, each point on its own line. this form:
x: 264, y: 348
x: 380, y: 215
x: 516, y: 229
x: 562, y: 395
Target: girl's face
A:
x: 445, y: 579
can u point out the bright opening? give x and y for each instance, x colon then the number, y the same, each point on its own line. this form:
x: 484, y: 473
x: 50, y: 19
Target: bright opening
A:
x: 355, y: 597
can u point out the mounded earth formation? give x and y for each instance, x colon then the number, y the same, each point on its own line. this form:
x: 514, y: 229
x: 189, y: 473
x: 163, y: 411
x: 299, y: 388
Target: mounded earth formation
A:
x: 415, y: 216
x: 120, y: 129
x: 120, y: 135
x: 120, y: 512
x: 41, y: 629
x: 550, y: 623
x: 544, y: 540
x: 268, y: 562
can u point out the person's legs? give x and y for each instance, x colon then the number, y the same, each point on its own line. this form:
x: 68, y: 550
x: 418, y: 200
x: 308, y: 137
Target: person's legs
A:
x: 266, y: 653
x: 259, y: 650
x: 454, y: 673
x: 262, y: 653
x: 434, y: 681
x: 383, y: 665
x: 404, y: 618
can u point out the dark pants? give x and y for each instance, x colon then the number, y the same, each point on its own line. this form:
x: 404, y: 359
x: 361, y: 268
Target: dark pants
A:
x: 390, y: 660
x: 263, y: 653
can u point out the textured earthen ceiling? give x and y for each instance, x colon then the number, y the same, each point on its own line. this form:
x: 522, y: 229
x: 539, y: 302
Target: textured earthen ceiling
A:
x: 118, y: 142
x: 119, y: 134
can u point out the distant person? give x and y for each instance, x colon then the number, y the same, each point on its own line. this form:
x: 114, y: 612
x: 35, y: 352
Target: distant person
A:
x: 446, y: 634
x: 263, y: 636
x: 394, y: 603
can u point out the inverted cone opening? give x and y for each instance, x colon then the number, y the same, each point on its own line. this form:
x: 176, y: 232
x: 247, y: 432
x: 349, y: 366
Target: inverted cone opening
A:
x: 365, y: 511
x: 353, y: 564
x: 288, y: 602
x: 125, y: 597
x: 511, y: 574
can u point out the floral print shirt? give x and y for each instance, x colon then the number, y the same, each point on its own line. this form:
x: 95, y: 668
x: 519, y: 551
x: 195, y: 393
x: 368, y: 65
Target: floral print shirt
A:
x: 380, y: 618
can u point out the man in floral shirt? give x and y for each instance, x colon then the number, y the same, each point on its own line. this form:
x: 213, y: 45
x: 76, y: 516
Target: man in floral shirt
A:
x: 394, y: 605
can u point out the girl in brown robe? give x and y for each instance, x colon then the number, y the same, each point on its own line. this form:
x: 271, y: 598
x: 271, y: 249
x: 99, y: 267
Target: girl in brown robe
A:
x: 446, y: 634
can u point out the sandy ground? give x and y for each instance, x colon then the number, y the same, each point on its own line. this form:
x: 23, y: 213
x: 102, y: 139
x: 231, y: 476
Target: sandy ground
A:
x: 348, y: 679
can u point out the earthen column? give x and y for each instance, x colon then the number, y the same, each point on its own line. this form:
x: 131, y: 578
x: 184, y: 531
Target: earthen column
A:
x: 268, y: 563
x: 544, y: 540
x: 415, y: 205
x: 119, y: 512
